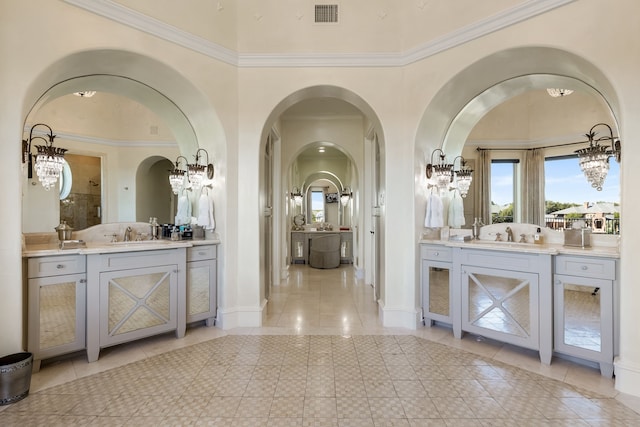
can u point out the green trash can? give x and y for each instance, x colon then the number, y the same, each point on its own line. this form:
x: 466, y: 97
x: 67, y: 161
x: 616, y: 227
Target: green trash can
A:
x: 15, y: 377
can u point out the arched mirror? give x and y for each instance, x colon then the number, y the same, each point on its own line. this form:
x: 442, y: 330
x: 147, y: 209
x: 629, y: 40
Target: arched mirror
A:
x: 525, y: 133
x: 121, y: 143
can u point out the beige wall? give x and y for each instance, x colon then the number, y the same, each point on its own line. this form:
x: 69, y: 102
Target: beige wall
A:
x: 231, y: 107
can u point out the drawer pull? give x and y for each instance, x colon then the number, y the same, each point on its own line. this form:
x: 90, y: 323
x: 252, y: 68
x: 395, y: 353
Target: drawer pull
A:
x: 584, y: 267
x: 436, y: 254
x: 60, y: 266
x: 202, y: 253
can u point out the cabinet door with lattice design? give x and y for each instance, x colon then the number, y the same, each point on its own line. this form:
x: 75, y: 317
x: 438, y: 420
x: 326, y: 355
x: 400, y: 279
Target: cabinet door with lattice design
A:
x: 137, y: 303
x: 501, y: 304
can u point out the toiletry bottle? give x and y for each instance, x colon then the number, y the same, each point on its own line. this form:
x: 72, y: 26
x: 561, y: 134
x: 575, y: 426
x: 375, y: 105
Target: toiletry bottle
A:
x: 537, y: 237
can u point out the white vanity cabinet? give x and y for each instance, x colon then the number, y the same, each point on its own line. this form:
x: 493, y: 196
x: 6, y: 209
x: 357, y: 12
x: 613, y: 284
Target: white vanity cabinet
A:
x: 436, y: 283
x: 506, y: 296
x: 346, y: 251
x: 57, y: 306
x: 202, y: 290
x: 134, y: 295
x: 584, y: 307
x: 299, y: 247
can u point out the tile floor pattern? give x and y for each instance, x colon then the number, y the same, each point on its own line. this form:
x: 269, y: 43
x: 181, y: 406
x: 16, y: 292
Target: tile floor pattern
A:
x: 317, y: 380
x: 321, y: 359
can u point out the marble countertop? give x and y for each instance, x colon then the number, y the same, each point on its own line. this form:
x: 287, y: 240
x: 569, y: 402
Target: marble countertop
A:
x: 546, y: 248
x: 48, y: 249
x: 321, y: 231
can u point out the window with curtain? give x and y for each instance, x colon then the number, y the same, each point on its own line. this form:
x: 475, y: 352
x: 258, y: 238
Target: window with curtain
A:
x: 570, y: 198
x: 503, y: 187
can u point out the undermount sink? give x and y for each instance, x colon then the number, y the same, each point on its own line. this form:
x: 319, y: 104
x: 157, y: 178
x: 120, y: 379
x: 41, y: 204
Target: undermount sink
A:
x: 138, y: 242
x: 501, y: 243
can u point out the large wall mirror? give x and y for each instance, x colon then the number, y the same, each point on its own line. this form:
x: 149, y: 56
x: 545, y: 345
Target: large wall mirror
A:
x: 121, y: 143
x: 520, y: 126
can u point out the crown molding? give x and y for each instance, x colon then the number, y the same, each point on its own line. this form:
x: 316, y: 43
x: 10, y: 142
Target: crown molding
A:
x: 129, y: 17
x: 105, y: 141
x: 139, y: 21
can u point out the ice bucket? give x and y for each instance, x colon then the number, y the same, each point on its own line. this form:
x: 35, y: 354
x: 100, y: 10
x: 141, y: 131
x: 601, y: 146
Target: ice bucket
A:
x: 580, y: 237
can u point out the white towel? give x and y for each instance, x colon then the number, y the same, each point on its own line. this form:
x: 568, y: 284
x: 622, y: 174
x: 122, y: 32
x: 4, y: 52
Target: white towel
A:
x: 434, y: 212
x: 183, y: 216
x: 456, y: 211
x: 205, y: 211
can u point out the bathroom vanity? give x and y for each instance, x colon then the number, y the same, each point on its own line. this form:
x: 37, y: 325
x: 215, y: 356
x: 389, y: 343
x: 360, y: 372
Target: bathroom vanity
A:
x: 104, y: 293
x: 301, y: 242
x: 549, y: 298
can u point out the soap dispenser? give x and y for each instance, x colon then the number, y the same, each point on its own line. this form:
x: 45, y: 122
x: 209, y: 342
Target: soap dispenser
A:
x: 537, y: 237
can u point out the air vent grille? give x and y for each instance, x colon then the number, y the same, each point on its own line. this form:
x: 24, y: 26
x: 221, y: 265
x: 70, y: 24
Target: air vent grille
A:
x: 326, y: 13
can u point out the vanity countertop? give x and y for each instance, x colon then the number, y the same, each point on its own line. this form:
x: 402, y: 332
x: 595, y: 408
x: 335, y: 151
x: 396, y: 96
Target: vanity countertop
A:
x: 48, y: 249
x: 547, y: 248
x: 309, y: 231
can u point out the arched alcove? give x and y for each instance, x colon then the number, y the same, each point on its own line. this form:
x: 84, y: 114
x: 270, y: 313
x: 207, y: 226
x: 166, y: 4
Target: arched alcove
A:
x: 474, y: 91
x: 347, y: 104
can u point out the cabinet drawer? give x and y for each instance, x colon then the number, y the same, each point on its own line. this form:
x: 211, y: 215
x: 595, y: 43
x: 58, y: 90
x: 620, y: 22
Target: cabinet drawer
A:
x: 198, y: 253
x: 56, y: 265
x: 435, y: 253
x: 598, y: 268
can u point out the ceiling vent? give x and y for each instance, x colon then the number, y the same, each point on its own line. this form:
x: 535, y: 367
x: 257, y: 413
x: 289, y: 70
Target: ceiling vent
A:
x: 326, y: 13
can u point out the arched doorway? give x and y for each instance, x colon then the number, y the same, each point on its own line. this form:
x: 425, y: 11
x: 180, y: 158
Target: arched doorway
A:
x: 317, y: 105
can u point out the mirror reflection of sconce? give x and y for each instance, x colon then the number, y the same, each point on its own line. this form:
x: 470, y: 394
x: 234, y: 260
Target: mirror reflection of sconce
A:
x: 176, y: 176
x: 345, y: 196
x: 49, y: 159
x: 594, y: 160
x: 463, y: 176
x: 195, y: 173
x: 296, y: 196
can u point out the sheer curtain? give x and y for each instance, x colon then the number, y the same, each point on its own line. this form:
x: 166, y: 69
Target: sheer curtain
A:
x: 533, y: 202
x: 484, y: 188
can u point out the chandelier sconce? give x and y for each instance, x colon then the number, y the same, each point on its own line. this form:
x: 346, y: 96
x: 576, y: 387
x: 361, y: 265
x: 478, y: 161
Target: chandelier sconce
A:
x: 594, y: 160
x: 49, y: 159
x: 463, y: 176
x: 442, y: 171
x: 345, y: 196
x: 296, y: 196
x: 176, y: 176
x: 197, y: 172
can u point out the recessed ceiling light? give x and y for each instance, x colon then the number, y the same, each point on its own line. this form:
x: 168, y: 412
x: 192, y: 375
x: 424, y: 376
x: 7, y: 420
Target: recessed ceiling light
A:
x: 556, y: 92
x: 85, y: 93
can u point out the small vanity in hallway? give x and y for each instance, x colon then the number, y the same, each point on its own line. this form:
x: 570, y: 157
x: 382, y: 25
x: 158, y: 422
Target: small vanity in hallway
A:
x: 301, y: 242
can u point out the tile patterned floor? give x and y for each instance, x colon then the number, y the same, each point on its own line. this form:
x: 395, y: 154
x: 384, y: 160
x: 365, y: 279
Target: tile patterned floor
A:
x: 323, y: 361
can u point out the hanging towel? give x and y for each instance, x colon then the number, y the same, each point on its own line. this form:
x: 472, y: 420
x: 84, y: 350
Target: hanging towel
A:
x: 434, y: 212
x: 203, y: 210
x: 183, y: 216
x: 456, y: 211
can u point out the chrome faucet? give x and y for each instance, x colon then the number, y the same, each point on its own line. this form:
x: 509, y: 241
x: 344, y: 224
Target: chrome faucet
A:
x: 509, y: 234
x: 127, y: 234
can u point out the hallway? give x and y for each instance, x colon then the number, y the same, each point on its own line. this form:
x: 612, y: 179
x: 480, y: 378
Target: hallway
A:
x: 322, y: 358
